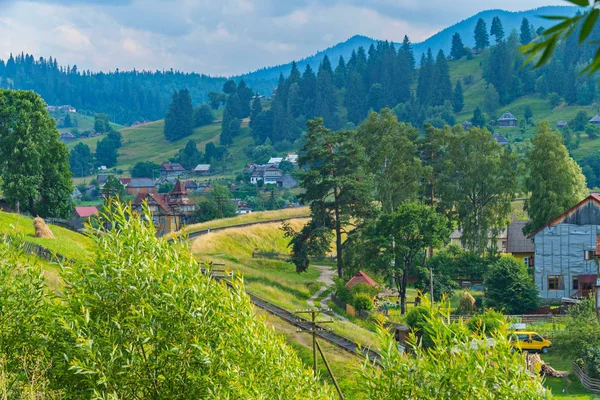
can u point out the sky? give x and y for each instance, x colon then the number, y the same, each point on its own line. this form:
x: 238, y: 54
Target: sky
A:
x: 217, y: 37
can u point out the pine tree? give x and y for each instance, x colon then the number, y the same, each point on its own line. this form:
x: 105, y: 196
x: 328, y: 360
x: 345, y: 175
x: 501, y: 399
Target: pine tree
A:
x: 404, y: 71
x: 458, y: 48
x: 355, y: 99
x: 458, y: 101
x: 326, y: 100
x: 339, y: 75
x: 526, y: 34
x: 442, y: 87
x: 482, y: 39
x: 425, y: 80
x: 256, y: 109
x: 497, y: 30
x: 179, y: 121
x: 245, y: 95
x: 407, y: 49
x: 308, y: 91
x: 230, y: 126
x: 478, y: 118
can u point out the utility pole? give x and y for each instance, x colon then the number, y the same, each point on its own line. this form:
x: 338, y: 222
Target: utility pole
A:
x: 314, y: 328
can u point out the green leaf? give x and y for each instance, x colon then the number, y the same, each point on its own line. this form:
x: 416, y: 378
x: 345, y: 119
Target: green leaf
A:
x: 560, y: 27
x: 550, y: 47
x: 588, y: 25
x: 580, y: 3
x: 554, y: 17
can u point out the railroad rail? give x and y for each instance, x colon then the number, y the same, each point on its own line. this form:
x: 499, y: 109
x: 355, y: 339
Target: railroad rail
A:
x: 298, y: 321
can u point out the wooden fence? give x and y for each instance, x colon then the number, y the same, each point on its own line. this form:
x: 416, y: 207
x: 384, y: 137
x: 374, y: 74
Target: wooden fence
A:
x: 591, y: 384
x: 524, y: 318
x: 39, y: 251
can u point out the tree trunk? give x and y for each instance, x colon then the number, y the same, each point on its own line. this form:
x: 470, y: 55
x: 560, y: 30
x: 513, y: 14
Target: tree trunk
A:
x: 403, y: 292
x: 338, y: 239
x: 17, y: 207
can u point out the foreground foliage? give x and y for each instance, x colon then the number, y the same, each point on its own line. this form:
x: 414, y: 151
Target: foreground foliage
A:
x: 142, y: 322
x: 457, y: 365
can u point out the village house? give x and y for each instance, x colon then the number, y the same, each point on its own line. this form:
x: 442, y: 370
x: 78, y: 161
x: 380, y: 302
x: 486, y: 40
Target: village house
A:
x: 507, y: 119
x: 502, y: 141
x: 68, y: 109
x: 202, y: 169
x: 293, y: 158
x: 595, y: 120
x: 269, y: 174
x: 170, y: 212
x: 171, y: 169
x: 286, y: 181
x: 190, y: 186
x: 561, y: 124
x: 499, y: 242
x: 81, y: 215
x: 467, y: 125
x: 275, y: 161
x: 66, y: 137
x: 101, y: 179
x: 518, y: 245
x: 139, y: 185
x: 242, y: 207
x: 565, y: 250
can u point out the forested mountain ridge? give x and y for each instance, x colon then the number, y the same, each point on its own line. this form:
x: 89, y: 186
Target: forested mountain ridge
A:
x: 264, y: 80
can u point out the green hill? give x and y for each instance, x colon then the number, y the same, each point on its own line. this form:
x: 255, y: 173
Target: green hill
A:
x: 147, y: 143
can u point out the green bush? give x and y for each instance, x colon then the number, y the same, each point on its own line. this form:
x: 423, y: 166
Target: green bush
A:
x: 509, y: 287
x: 487, y: 323
x: 362, y: 302
x: 417, y: 318
x: 460, y: 365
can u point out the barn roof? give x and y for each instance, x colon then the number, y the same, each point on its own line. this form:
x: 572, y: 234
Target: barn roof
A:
x: 592, y: 197
x: 86, y: 211
x: 517, y: 242
x: 507, y: 116
x: 361, y: 277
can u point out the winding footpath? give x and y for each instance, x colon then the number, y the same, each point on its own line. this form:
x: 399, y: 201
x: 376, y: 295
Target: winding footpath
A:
x: 326, y: 277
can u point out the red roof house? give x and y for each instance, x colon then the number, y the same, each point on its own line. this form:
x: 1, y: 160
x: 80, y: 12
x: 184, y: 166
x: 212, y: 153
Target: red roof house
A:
x: 359, y: 278
x: 86, y: 212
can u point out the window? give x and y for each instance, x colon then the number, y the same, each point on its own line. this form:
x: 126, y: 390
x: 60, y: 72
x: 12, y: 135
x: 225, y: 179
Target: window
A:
x: 526, y: 261
x: 587, y: 286
x: 588, y: 255
x: 537, y: 338
x: 575, y: 284
x: 555, y: 282
x: 523, y: 337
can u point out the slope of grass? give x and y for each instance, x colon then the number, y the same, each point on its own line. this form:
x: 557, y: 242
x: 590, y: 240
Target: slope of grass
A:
x: 248, y: 218
x: 274, y: 280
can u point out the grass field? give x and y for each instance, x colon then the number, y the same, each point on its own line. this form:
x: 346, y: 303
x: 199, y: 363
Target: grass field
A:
x: 68, y: 243
x: 565, y: 388
x: 248, y: 218
x: 274, y: 280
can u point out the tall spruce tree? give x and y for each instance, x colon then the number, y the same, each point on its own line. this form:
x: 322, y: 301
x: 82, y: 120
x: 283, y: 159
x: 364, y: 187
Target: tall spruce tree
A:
x: 230, y: 126
x: 179, y: 121
x: 339, y: 75
x: 355, y: 99
x: 404, y: 71
x: 457, y: 50
x: 458, y: 101
x: 245, y: 95
x: 308, y: 91
x: 497, y: 30
x: 425, y: 80
x: 441, y: 87
x: 478, y: 118
x: 526, y: 33
x: 326, y: 99
x: 482, y: 39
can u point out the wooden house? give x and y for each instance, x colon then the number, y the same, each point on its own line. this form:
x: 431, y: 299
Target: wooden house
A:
x: 169, y: 211
x: 518, y: 245
x: 507, y: 119
x: 171, y: 169
x: 565, y: 251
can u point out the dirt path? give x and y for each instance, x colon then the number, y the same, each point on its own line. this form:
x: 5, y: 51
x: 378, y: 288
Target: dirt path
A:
x: 326, y: 277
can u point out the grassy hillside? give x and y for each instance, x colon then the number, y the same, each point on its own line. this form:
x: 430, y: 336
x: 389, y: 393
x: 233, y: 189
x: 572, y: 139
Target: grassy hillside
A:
x: 276, y: 281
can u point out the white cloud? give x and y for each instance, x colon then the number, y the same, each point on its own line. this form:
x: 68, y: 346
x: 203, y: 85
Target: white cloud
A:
x: 215, y: 37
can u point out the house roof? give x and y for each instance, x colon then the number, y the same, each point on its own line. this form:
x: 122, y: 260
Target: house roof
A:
x: 561, y: 123
x: 275, y: 160
x: 202, y: 167
x: 141, y: 183
x: 125, y: 181
x: 159, y: 198
x: 361, y: 277
x: 190, y: 184
x: 502, y: 141
x: 595, y: 118
x: 592, y: 197
x: 179, y: 189
x: 517, y: 242
x: 507, y: 117
x: 86, y: 211
x: 172, y: 167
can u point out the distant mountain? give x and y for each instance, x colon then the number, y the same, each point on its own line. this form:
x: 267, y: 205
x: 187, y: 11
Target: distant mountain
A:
x: 264, y: 80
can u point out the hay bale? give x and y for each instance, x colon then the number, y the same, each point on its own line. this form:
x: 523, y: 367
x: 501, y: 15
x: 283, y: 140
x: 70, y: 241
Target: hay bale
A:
x: 467, y: 303
x: 41, y: 229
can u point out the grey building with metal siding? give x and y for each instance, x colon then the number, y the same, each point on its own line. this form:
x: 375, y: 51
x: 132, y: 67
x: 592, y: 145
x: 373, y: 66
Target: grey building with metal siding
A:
x: 564, y: 248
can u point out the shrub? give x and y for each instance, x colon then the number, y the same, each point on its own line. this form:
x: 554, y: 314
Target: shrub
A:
x: 417, y: 318
x: 509, y: 287
x: 362, y: 302
x: 487, y: 323
x: 459, y: 365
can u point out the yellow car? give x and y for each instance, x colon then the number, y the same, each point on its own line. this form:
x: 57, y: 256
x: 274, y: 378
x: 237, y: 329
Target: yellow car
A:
x: 530, y: 341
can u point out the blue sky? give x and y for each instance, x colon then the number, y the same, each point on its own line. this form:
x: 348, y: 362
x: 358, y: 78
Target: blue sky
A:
x: 217, y: 37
